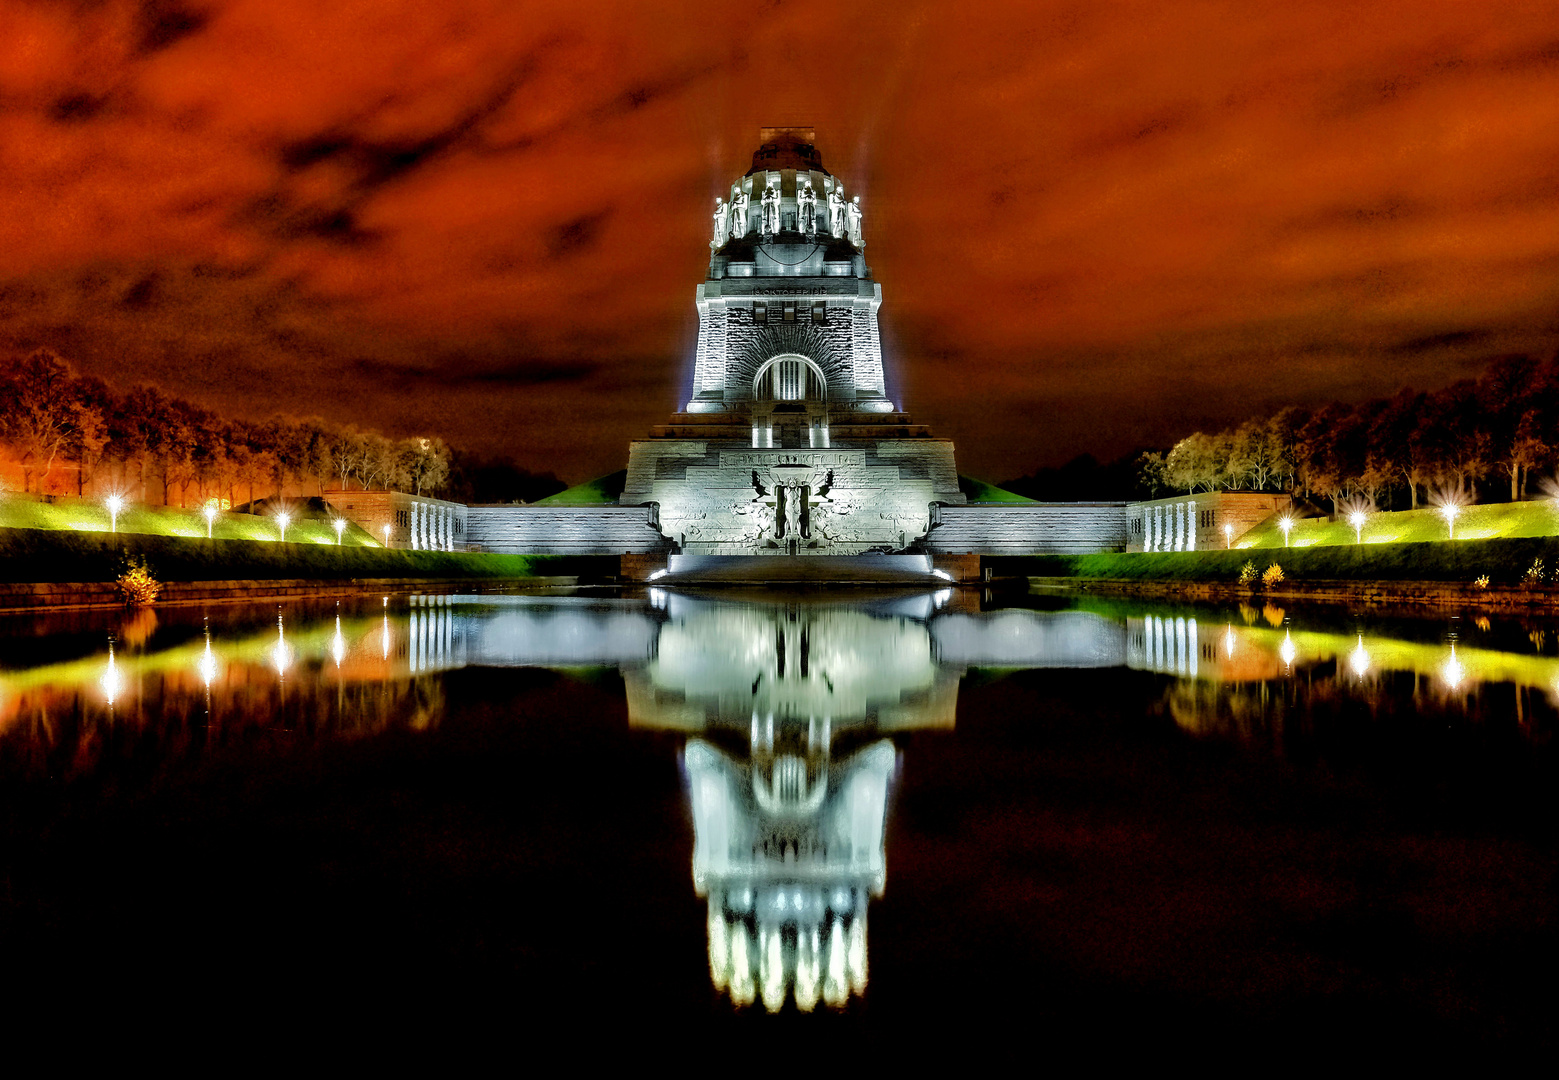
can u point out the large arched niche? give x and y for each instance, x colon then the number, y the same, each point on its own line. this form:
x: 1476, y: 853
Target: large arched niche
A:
x: 789, y: 377
x: 801, y: 340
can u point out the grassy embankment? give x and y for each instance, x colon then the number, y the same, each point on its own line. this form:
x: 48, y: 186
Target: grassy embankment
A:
x: 1505, y: 561
x: 1501, y: 540
x: 602, y: 491
x: 69, y: 540
x: 91, y: 516
x: 1489, y: 521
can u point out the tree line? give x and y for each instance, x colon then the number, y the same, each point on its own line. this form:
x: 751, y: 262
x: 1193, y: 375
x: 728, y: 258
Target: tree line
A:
x: 1478, y: 437
x: 167, y: 448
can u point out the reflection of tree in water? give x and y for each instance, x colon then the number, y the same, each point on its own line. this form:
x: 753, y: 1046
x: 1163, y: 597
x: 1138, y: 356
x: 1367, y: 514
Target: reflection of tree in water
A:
x: 1333, y: 712
x: 70, y: 733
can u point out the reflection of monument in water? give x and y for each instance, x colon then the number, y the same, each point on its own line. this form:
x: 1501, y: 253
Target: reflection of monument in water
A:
x: 788, y: 771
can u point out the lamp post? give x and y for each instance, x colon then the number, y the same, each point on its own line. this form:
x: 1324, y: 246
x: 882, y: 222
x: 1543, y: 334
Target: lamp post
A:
x: 283, y: 520
x: 1228, y: 536
x: 339, y: 523
x: 211, y: 516
x: 1285, y: 524
x: 1449, y: 512
x: 114, y: 504
x: 1357, y: 520
x: 386, y: 528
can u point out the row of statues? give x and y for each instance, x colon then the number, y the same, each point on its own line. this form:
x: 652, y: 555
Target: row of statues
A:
x: 844, y: 218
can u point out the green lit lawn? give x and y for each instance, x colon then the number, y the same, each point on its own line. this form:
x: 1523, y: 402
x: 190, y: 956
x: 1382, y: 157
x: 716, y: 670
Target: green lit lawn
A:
x: 1504, y: 560
x: 90, y: 516
x: 978, y: 491
x: 29, y: 555
x: 602, y: 491
x: 1486, y: 522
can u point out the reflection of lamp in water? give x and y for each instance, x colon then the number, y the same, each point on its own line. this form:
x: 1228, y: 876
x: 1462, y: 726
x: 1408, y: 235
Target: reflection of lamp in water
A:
x: 1228, y: 641
x: 111, y: 681
x: 208, y: 663
x: 280, y: 654
x: 338, y: 644
x: 1287, y: 650
x: 1359, y: 660
x: 1452, y: 671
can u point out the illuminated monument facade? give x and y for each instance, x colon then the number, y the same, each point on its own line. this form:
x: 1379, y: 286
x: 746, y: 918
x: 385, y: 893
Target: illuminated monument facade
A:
x: 789, y: 453
x: 789, y: 444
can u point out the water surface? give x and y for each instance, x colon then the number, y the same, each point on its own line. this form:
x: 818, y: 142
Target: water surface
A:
x: 804, y: 809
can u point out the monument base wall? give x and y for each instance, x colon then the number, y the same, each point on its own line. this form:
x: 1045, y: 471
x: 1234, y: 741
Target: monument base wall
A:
x: 565, y: 530
x: 1028, y: 529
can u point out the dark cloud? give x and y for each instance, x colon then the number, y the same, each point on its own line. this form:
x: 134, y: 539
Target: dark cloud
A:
x: 1094, y: 224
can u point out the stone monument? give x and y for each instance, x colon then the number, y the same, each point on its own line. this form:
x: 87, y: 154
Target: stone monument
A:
x: 789, y: 444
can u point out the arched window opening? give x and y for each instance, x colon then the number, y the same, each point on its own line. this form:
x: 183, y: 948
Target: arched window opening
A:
x: 790, y: 378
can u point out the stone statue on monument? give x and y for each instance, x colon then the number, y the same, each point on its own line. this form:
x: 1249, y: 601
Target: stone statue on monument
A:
x: 739, y: 214
x: 806, y: 199
x: 836, y: 212
x: 771, y: 201
x: 853, y: 212
x: 720, y: 216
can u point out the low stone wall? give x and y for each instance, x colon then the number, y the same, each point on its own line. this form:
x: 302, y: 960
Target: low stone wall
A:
x: 1028, y: 529
x: 1399, y: 593
x: 564, y: 530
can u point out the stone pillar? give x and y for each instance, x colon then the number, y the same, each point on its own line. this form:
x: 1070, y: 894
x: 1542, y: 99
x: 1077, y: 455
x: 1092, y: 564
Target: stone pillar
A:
x: 1191, y: 523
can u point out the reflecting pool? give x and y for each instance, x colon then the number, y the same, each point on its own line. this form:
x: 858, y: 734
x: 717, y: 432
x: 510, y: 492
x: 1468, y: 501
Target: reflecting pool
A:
x: 1071, y: 809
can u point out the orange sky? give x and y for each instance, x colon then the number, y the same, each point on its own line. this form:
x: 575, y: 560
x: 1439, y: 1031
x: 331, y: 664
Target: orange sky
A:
x: 1096, y: 225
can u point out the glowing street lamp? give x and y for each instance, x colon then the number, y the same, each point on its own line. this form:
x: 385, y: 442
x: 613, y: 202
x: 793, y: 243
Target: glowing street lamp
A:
x: 339, y: 523
x: 1356, y: 519
x: 283, y: 520
x: 114, y: 505
x: 1449, y: 511
x: 1285, y: 523
x: 211, y: 516
x: 386, y: 528
x: 1228, y: 535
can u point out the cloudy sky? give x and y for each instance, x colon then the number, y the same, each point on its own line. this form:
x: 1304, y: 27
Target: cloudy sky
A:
x: 1096, y: 225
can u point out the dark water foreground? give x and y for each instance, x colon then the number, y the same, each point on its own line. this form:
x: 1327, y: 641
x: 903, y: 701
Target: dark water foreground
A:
x: 1112, y: 828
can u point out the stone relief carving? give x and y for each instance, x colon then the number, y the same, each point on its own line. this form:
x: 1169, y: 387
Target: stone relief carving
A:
x: 720, y: 224
x: 853, y: 213
x: 771, y: 201
x: 739, y: 214
x: 806, y: 198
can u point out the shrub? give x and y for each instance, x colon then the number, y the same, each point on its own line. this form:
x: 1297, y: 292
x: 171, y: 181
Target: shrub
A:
x: 137, y: 586
x: 1534, y: 574
x: 1272, y: 575
x: 1482, y: 580
x: 1248, y: 572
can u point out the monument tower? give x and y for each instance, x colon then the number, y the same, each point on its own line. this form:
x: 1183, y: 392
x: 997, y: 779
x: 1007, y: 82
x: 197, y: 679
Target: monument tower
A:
x: 789, y: 443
